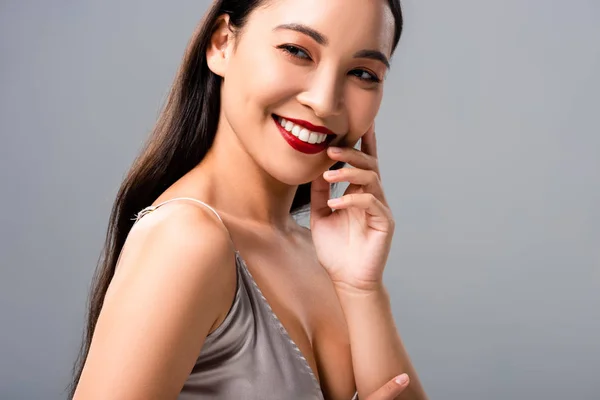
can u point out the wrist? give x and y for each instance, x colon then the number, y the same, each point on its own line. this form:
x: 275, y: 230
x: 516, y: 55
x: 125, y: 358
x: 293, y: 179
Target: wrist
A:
x: 375, y: 290
x: 365, y: 307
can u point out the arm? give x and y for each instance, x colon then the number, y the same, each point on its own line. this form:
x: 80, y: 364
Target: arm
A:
x: 353, y: 237
x: 378, y: 354
x: 174, y: 280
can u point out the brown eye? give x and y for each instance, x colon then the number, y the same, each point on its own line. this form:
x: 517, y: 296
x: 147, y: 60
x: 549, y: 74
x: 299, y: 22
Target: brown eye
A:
x: 365, y: 75
x: 295, y: 51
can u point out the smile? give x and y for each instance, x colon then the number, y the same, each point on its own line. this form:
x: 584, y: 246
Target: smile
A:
x: 303, y: 136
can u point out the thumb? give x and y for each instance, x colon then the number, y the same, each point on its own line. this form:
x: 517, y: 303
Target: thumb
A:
x: 319, y: 194
x: 392, y: 389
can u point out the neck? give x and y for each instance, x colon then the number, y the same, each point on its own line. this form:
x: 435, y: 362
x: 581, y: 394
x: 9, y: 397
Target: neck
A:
x: 233, y: 182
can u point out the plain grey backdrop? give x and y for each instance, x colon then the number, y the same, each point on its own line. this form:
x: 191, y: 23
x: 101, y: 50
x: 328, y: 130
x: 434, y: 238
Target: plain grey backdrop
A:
x: 489, y: 140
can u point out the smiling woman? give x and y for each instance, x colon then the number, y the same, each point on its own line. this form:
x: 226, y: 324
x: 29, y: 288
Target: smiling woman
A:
x: 213, y: 290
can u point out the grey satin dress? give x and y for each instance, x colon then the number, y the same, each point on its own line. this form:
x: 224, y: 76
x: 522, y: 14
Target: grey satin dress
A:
x: 250, y: 355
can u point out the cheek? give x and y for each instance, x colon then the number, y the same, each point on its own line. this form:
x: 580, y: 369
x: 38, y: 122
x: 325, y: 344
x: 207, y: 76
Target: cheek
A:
x: 362, y: 109
x: 260, y: 78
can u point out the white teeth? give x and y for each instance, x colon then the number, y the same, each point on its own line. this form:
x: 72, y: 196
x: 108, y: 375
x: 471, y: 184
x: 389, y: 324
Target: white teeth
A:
x: 302, y: 133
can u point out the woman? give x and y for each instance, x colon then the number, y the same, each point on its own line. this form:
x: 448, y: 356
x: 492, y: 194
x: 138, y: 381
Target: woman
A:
x: 216, y: 291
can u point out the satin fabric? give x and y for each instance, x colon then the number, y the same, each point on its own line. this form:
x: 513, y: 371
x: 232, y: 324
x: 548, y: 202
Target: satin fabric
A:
x: 250, y: 355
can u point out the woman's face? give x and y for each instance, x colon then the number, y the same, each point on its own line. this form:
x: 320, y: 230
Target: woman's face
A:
x: 320, y: 64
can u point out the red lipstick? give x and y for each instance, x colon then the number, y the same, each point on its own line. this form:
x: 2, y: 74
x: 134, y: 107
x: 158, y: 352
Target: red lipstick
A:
x: 300, y: 145
x: 309, y: 126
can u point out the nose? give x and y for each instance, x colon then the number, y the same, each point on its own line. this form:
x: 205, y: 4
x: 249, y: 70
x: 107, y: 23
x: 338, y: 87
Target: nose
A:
x: 323, y: 94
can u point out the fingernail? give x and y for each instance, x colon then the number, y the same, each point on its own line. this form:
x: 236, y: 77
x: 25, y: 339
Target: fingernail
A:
x: 334, y: 202
x: 401, y: 379
x: 335, y: 150
x: 331, y: 174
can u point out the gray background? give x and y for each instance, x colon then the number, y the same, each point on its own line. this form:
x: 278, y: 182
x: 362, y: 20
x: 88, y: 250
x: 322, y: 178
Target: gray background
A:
x: 489, y: 142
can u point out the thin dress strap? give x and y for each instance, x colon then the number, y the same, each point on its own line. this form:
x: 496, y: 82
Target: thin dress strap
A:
x: 149, y: 209
x: 152, y: 208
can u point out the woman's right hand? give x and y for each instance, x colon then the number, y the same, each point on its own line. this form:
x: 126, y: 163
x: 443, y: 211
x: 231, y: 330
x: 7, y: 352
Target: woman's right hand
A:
x: 391, y: 390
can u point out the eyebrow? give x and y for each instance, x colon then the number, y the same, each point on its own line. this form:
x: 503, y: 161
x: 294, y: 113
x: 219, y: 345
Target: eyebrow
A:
x: 373, y: 55
x: 322, y: 40
x: 318, y: 37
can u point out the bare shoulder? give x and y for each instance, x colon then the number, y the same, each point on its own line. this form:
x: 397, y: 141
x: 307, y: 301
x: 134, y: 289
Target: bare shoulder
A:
x: 181, y: 227
x: 181, y: 241
x: 175, y: 277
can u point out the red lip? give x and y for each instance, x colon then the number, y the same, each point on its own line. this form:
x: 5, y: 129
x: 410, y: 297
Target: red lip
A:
x: 298, y: 144
x: 309, y: 126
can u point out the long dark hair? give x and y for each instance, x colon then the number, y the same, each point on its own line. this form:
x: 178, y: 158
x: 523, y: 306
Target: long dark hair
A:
x: 181, y: 138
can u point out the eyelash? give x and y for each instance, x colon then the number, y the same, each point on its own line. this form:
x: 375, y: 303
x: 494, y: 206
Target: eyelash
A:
x: 293, y: 51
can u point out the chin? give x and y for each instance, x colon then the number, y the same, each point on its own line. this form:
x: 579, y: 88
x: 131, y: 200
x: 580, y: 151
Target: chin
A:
x: 294, y: 174
x: 295, y: 179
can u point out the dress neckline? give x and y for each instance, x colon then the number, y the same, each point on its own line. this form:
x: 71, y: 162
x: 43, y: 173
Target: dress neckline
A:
x: 297, y: 352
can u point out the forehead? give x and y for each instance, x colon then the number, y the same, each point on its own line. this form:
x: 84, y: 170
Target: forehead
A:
x: 346, y: 24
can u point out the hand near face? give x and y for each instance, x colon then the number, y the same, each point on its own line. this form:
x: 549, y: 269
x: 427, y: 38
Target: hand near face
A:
x: 353, y: 234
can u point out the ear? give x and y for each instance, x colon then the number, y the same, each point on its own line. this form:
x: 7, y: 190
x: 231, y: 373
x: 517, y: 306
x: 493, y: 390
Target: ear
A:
x: 221, y: 42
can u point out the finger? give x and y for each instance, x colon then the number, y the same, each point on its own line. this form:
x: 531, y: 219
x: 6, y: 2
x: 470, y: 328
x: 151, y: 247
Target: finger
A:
x: 368, y: 180
x: 356, y: 158
x: 319, y: 194
x: 392, y: 389
x: 368, y: 142
x: 380, y: 216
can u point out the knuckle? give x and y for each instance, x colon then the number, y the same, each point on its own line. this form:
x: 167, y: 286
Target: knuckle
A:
x: 373, y: 177
x: 376, y: 164
x: 389, y: 389
x: 342, y: 173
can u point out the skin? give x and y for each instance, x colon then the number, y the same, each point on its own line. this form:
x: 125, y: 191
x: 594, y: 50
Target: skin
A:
x: 324, y: 284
